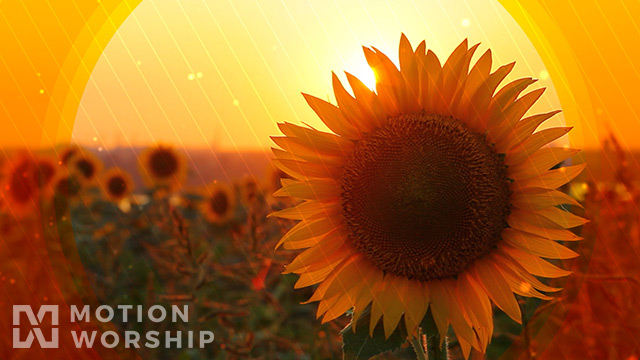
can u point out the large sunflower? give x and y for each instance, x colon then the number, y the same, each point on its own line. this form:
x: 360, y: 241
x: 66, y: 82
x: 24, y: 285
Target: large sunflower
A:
x: 431, y: 192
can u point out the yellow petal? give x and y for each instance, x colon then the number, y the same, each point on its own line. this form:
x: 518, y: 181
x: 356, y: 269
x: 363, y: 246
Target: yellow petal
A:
x: 313, y: 189
x: 370, y: 287
x: 416, y: 297
x: 519, y: 286
x: 533, y: 264
x: 525, y: 127
x: 478, y: 307
x: 466, y: 348
x: 314, y: 277
x: 352, y: 275
x: 303, y: 170
x: 524, y: 274
x: 306, y: 151
x: 370, y: 106
x: 393, y: 306
x: 537, y: 245
x: 319, y: 252
x: 551, y: 179
x: 309, y: 232
x: 332, y: 117
x: 320, y: 290
x: 350, y: 108
x: 477, y: 76
x: 439, y: 306
x: 488, y: 275
x: 321, y: 141
x: 512, y: 116
x: 520, y: 223
x: 561, y: 217
x: 532, y: 144
x: 308, y: 210
x: 540, y: 162
x: 482, y: 97
x: 457, y: 312
x: 539, y: 198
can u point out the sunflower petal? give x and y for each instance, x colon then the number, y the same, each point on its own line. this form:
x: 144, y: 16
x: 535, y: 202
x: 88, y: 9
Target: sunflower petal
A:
x: 551, y: 179
x: 319, y: 252
x: 532, y: 144
x: 416, y: 297
x: 525, y: 275
x: 308, y: 210
x: 313, y: 277
x: 477, y: 76
x: 439, y: 306
x: 308, y: 231
x: 539, y: 198
x: 540, y: 162
x: 392, y: 305
x: 522, y: 224
x: 306, y: 151
x: 313, y: 189
x: 502, y: 103
x: 537, y: 245
x: 513, y: 115
x: 332, y: 117
x: 561, y: 217
x: 525, y: 127
x: 350, y: 108
x: 457, y: 314
x: 482, y: 97
x: 478, y: 307
x: 370, y: 106
x: 532, y: 263
x: 303, y: 170
x: 319, y: 140
x: 520, y: 287
x: 488, y: 275
x: 322, y: 288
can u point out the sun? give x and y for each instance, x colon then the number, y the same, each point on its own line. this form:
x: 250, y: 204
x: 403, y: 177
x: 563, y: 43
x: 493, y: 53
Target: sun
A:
x: 366, y: 75
x: 433, y: 192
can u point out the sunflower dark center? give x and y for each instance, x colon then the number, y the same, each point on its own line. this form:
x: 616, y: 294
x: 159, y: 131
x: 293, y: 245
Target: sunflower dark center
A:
x: 163, y: 163
x: 424, y: 196
x: 117, y: 186
x: 86, y: 167
x: 219, y: 203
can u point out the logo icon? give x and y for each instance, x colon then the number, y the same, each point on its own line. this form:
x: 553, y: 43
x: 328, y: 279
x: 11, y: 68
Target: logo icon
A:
x: 19, y: 343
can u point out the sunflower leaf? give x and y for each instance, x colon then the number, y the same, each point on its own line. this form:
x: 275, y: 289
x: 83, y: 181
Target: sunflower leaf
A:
x: 357, y: 345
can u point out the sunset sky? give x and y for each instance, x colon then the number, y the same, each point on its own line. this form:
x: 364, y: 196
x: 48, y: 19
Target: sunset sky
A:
x: 222, y: 73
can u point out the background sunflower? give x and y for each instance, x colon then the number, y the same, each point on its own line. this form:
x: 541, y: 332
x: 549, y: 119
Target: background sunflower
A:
x: 116, y: 184
x: 219, y: 203
x: 162, y: 166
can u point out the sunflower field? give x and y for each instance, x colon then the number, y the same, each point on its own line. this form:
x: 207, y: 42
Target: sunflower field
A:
x: 526, y: 254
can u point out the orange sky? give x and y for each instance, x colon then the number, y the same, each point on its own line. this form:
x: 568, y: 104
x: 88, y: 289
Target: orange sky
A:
x: 222, y: 73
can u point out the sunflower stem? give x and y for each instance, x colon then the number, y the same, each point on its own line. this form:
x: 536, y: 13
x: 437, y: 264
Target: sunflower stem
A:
x: 418, y: 347
x: 434, y: 350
